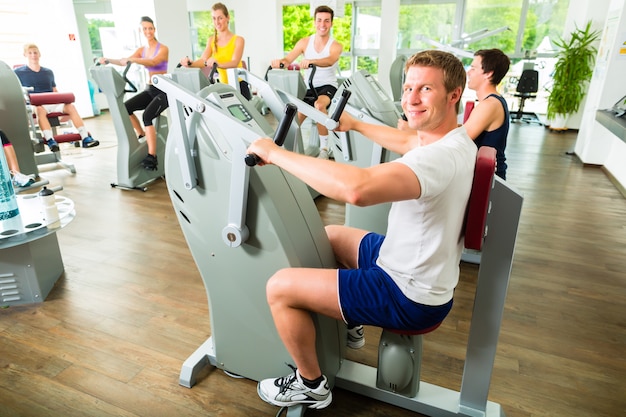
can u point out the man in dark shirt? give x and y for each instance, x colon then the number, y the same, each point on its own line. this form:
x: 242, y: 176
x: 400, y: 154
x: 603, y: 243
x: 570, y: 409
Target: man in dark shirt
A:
x: 41, y: 79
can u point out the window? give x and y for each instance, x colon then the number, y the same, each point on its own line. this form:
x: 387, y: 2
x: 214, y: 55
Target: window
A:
x: 423, y: 22
x: 94, y: 23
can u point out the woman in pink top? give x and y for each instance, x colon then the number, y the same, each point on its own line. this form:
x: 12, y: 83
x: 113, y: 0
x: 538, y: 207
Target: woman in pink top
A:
x: 153, y: 101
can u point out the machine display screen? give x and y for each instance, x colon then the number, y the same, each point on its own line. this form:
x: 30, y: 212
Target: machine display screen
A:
x: 239, y: 113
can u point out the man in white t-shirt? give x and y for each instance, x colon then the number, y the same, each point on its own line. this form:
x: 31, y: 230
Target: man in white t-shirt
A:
x: 322, y: 51
x: 406, y: 279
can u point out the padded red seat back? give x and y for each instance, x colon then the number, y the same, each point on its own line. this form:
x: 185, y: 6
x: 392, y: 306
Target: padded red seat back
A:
x: 39, y: 99
x: 478, y: 204
x: 469, y: 106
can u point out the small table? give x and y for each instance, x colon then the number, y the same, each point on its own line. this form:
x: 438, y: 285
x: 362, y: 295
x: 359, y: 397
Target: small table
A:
x: 30, y: 259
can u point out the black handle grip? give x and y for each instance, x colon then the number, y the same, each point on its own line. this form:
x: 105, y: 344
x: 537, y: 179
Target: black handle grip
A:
x: 404, y: 117
x: 267, y: 72
x: 132, y: 89
x: 180, y: 65
x: 313, y: 69
x: 345, y: 96
x: 282, y: 129
x: 280, y: 134
x: 212, y: 73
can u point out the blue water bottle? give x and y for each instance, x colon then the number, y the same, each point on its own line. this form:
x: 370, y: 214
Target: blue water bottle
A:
x: 8, y: 203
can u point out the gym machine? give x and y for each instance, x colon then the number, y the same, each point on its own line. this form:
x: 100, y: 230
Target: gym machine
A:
x: 131, y: 175
x: 369, y: 103
x: 14, y: 120
x: 243, y: 224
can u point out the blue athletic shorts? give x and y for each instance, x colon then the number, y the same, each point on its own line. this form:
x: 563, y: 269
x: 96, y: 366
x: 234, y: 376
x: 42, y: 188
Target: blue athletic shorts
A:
x: 368, y: 295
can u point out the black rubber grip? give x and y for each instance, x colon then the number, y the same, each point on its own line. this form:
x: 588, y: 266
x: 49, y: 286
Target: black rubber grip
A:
x: 345, y: 96
x: 280, y: 134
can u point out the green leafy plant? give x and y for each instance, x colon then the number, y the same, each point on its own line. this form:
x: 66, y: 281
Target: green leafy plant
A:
x: 572, y: 71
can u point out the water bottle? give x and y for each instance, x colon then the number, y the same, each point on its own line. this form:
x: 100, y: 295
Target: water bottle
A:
x: 49, y: 207
x: 9, y: 212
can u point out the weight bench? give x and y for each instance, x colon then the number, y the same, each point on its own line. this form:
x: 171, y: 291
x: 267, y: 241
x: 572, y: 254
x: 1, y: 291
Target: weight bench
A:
x: 56, y: 119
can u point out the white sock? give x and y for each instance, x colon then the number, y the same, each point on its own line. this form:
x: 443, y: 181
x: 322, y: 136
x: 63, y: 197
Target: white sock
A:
x: 323, y: 142
x: 82, y: 131
x: 47, y: 134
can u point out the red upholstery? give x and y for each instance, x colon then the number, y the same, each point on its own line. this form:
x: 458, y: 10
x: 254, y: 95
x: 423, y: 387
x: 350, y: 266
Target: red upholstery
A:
x: 478, y: 204
x: 476, y: 217
x: 469, y: 106
x: 39, y: 99
x: 414, y: 332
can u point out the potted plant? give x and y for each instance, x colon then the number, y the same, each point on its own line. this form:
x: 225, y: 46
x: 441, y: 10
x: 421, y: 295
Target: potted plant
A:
x: 573, y: 69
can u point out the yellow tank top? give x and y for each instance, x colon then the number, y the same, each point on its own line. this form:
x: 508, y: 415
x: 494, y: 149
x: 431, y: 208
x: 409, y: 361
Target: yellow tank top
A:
x: 225, y: 54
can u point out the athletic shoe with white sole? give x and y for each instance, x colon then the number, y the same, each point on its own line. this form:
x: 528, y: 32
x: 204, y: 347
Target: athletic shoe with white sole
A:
x: 356, y: 337
x: 291, y: 390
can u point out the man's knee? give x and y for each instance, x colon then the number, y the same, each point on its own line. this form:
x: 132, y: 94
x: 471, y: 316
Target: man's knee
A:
x: 322, y: 103
x: 277, y: 286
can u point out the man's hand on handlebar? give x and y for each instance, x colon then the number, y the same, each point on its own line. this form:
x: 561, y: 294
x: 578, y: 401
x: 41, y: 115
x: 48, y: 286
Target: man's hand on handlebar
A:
x: 346, y: 123
x: 262, y: 148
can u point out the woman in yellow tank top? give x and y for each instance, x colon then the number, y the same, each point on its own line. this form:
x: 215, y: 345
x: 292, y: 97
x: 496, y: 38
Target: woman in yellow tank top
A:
x: 224, y: 47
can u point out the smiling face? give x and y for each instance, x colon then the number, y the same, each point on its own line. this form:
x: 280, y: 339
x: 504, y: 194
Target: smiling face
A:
x: 220, y: 20
x: 475, y: 74
x: 425, y: 101
x: 323, y: 23
x: 148, y: 30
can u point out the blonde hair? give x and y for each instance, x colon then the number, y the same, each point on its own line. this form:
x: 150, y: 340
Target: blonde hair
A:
x: 224, y: 9
x: 30, y: 46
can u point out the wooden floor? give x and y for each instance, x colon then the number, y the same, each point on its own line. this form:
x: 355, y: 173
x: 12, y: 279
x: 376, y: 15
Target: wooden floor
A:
x: 130, y: 308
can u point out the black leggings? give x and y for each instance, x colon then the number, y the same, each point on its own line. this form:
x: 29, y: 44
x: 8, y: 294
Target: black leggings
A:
x: 5, y: 139
x: 152, y: 100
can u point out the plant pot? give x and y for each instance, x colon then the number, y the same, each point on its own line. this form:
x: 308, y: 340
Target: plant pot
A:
x: 559, y: 122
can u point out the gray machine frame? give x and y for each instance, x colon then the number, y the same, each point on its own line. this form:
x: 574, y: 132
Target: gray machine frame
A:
x: 278, y: 215
x: 369, y: 103
x: 131, y: 175
x: 14, y: 120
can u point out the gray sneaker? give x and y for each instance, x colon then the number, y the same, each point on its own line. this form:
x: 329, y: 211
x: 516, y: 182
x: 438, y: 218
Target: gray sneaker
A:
x: 356, y: 337
x: 290, y: 390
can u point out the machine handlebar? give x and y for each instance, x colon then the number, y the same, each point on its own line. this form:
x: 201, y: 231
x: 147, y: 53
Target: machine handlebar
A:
x: 132, y: 88
x: 345, y: 96
x: 180, y: 65
x: 280, y: 134
x: 212, y: 73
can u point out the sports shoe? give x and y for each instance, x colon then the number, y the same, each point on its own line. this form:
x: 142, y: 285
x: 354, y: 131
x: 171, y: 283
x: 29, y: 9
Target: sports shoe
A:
x: 90, y: 142
x: 150, y: 162
x: 53, y: 145
x: 356, y: 337
x: 290, y: 390
x: 22, y: 180
x: 323, y: 154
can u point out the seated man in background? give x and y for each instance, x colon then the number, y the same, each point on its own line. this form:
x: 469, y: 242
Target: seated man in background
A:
x: 405, y: 279
x: 41, y: 79
x: 19, y: 179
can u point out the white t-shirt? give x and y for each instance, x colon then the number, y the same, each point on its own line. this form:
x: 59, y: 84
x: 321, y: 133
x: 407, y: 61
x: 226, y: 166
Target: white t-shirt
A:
x: 323, y: 75
x: 423, y: 245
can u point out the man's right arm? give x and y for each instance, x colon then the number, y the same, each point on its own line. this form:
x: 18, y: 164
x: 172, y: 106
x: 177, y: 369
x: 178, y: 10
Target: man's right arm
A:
x: 291, y: 56
x: 396, y: 140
